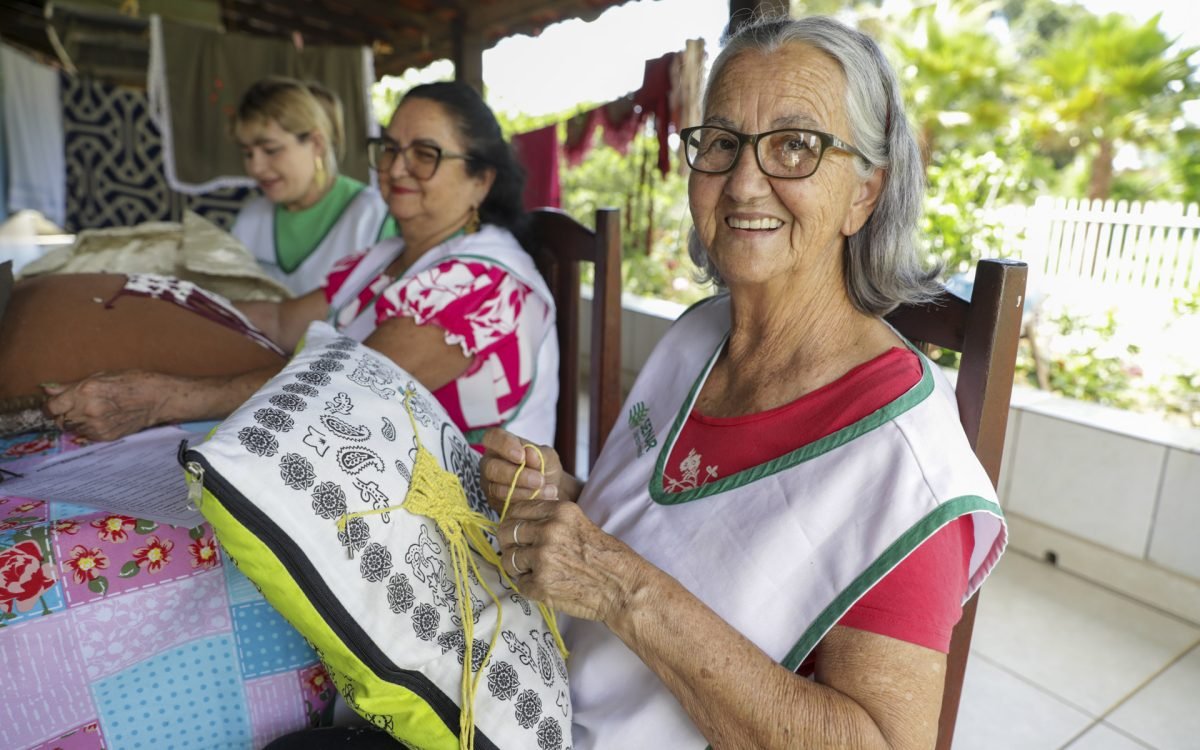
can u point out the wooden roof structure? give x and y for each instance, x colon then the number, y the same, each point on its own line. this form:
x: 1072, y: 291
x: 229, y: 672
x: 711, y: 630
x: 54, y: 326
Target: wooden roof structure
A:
x: 108, y: 38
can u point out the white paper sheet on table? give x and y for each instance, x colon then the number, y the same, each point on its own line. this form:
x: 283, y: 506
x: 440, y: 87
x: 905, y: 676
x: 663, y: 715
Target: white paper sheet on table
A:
x: 137, y: 476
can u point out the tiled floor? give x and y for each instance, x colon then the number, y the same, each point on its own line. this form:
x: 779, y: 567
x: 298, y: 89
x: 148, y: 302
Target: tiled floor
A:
x: 1058, y: 662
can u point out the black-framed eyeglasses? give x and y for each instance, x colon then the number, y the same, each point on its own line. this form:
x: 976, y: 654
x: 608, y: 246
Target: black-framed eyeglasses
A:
x: 789, y: 153
x: 420, y: 159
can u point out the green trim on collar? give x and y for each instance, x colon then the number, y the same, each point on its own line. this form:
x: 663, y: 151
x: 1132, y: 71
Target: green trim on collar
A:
x: 914, y: 396
x: 891, y: 557
x: 298, y: 234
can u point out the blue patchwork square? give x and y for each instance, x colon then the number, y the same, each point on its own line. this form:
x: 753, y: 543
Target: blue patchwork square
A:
x: 189, y: 697
x: 59, y: 511
x: 266, y: 643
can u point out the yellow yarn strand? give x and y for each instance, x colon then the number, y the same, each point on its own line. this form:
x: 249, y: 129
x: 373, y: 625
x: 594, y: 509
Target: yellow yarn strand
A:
x: 547, y: 612
x: 438, y: 495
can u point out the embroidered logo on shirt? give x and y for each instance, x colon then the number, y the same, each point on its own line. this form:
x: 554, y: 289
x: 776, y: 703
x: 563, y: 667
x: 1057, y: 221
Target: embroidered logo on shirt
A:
x: 643, y: 430
x: 689, y: 469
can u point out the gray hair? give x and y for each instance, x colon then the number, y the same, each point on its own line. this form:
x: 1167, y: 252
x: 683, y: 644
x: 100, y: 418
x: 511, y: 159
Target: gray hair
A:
x: 882, y: 265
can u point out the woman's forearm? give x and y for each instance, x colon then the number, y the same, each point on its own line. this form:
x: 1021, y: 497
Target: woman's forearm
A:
x: 736, y: 695
x: 189, y: 399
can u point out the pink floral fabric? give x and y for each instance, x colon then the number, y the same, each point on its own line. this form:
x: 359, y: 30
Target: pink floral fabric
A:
x: 93, y: 602
x: 482, y: 309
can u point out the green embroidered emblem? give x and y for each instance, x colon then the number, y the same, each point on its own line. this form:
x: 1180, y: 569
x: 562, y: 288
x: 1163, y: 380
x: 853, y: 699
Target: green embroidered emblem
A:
x: 643, y: 430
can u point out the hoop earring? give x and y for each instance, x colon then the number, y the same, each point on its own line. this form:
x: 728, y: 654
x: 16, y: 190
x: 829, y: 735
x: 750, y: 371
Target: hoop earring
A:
x: 473, y: 222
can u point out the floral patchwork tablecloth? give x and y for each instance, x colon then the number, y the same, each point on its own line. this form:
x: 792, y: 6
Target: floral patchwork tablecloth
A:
x: 118, y: 632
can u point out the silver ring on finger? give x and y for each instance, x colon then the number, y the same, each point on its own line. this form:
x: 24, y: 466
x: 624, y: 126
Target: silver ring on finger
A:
x: 517, y: 541
x: 515, y: 567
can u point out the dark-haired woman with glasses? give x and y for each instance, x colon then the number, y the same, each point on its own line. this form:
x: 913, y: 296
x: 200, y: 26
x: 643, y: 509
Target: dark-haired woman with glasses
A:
x: 309, y: 216
x: 455, y: 300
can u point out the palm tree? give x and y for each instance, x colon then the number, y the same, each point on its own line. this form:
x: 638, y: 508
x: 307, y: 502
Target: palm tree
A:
x: 1105, y: 81
x: 954, y: 71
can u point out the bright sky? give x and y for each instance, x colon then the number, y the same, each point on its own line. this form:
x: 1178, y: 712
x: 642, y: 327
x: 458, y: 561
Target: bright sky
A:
x: 574, y: 62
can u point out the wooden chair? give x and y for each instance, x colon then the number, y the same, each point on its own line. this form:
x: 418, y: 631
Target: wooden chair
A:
x: 985, y: 330
x: 6, y: 285
x: 559, y: 245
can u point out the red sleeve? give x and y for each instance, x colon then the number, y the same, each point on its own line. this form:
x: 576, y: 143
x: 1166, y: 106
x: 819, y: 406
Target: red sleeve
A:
x: 920, y: 600
x: 478, y: 305
x: 339, y: 273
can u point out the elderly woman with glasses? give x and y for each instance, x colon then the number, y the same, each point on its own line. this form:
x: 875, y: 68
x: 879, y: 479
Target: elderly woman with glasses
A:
x: 777, y: 539
x: 455, y: 300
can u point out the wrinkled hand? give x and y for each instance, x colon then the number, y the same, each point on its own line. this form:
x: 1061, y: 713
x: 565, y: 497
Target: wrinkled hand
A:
x: 557, y: 556
x: 502, y: 459
x: 106, y: 406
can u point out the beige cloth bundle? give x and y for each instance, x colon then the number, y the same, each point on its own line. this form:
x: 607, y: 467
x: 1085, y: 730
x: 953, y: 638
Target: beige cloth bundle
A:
x: 194, y: 250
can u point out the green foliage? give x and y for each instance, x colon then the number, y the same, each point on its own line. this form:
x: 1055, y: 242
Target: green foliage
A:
x: 1104, y: 81
x: 1093, y: 352
x: 654, y: 216
x: 953, y: 71
x: 957, y: 228
x: 1091, y: 369
x: 654, y: 213
x: 1186, y: 164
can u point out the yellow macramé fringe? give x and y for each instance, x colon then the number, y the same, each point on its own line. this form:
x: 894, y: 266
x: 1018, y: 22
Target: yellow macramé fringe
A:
x: 438, y: 494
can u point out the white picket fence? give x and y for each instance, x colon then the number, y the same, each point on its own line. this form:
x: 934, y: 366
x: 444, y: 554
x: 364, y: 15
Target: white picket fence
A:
x: 1107, y: 244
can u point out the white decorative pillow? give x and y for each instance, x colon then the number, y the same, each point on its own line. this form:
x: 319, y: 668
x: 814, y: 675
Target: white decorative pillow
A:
x: 311, y: 487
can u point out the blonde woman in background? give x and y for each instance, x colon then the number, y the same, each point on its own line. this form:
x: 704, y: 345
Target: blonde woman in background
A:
x: 309, y: 216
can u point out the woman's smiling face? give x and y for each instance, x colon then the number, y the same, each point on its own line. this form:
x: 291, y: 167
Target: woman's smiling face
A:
x: 757, y: 227
x: 449, y: 195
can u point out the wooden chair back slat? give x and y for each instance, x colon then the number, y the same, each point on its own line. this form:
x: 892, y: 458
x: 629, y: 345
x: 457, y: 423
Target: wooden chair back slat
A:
x: 560, y: 244
x: 985, y: 330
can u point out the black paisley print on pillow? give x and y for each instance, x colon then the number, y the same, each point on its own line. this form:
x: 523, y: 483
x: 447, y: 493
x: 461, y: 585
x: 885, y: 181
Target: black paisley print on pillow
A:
x: 344, y: 429
x: 296, y: 471
x: 425, y: 621
x: 502, y: 680
x: 326, y: 365
x: 354, y: 459
x: 400, y: 593
x: 334, y: 354
x: 258, y: 441
x: 301, y: 389
x: 274, y: 419
x: 549, y: 734
x: 329, y: 501
x: 528, y: 709
x: 289, y: 402
x: 313, y: 378
x: 356, y: 535
x: 376, y: 562
x: 464, y: 462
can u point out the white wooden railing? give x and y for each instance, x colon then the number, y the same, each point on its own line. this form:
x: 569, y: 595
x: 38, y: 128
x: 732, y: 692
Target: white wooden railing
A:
x: 1151, y: 246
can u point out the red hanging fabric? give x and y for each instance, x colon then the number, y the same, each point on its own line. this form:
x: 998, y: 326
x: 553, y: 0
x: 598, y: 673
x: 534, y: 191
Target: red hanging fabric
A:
x: 538, y: 153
